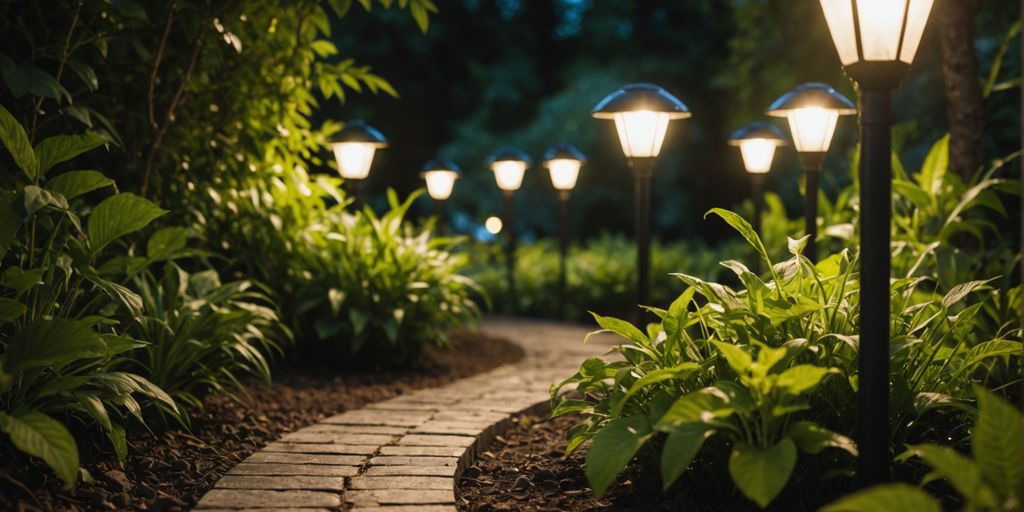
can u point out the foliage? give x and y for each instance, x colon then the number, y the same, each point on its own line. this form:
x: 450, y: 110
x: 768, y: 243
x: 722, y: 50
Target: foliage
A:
x: 991, y: 479
x: 752, y: 365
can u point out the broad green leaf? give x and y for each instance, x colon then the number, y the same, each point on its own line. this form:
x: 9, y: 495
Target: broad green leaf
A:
x: 761, y: 473
x: 72, y: 184
x: 61, y: 148
x: 21, y: 280
x: 681, y: 446
x: 801, y: 378
x: 744, y: 228
x: 94, y: 407
x: 620, y: 327
x: 701, y: 406
x: 10, y: 309
x: 37, y: 198
x: 120, y: 215
x: 359, y: 320
x: 813, y: 438
x: 40, y: 436
x: 654, y: 377
x: 887, y: 497
x: 613, y: 447
x: 119, y: 441
x: 16, y: 141
x: 166, y: 243
x: 49, y: 342
x: 958, y: 470
x: 739, y: 360
x: 991, y: 348
x: 961, y: 291
x: 996, y: 443
x: 936, y: 164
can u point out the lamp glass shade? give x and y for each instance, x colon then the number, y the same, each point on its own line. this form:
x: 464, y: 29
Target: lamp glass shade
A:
x: 440, y: 183
x: 509, y: 174
x: 354, y: 159
x: 493, y: 225
x: 812, y: 128
x: 757, y: 154
x: 886, y: 30
x: 641, y: 133
x: 564, y: 173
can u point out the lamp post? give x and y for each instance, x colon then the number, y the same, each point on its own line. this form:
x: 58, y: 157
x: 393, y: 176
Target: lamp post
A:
x: 641, y: 113
x: 440, y: 176
x: 812, y: 111
x: 876, y: 41
x: 563, y: 162
x: 757, y: 142
x: 354, y: 147
x: 509, y: 166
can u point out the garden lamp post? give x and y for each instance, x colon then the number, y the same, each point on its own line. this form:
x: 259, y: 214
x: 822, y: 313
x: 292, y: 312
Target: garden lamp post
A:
x: 440, y: 176
x: 354, y: 147
x: 876, y: 41
x: 641, y: 113
x: 509, y: 166
x: 563, y: 162
x: 757, y: 142
x: 812, y: 111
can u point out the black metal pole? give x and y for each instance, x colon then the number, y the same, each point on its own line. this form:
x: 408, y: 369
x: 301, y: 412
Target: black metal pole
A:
x: 757, y: 196
x: 563, y: 249
x: 510, y: 247
x: 642, y: 173
x: 811, y: 164
x: 875, y: 219
x: 355, y: 190
x: 439, y: 213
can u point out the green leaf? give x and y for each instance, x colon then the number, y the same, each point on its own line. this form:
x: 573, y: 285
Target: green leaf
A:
x: 51, y: 342
x: 887, y: 497
x: 991, y: 348
x: 620, y: 327
x: 681, y: 446
x: 653, y: 377
x: 40, y: 436
x: 762, y: 473
x: 61, y: 148
x: 996, y: 443
x: 936, y: 164
x: 75, y: 183
x: 10, y: 309
x: 702, y: 406
x: 739, y: 360
x: 21, y: 280
x: 813, y: 438
x: 359, y: 320
x: 166, y: 243
x: 37, y: 198
x: 16, y: 141
x: 613, y: 447
x: 801, y: 378
x: 9, y: 222
x: 958, y: 470
x: 961, y: 291
x: 119, y: 215
x: 119, y: 441
x: 744, y: 228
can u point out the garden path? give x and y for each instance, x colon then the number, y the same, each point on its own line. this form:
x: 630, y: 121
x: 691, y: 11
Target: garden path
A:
x: 406, y: 453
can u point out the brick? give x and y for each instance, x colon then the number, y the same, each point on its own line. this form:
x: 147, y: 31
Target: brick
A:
x: 384, y: 497
x: 394, y: 405
x: 336, y: 449
x: 305, y: 458
x: 247, y: 468
x: 357, y: 429
x: 276, y: 509
x: 383, y: 418
x: 436, y: 440
x: 450, y: 429
x: 282, y: 483
x: 410, y: 508
x: 411, y: 471
x: 337, y: 438
x: 394, y: 483
x: 429, y: 451
x: 233, y: 498
x: 413, y: 461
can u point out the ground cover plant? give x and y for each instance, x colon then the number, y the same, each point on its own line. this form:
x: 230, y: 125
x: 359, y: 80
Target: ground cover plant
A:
x: 770, y: 366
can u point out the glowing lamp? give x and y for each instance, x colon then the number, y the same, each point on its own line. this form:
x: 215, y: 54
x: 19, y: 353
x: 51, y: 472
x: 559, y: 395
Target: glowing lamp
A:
x: 354, y: 147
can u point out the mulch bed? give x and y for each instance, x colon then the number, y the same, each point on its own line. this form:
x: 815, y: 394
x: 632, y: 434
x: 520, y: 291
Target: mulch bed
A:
x: 171, y: 470
x: 526, y: 469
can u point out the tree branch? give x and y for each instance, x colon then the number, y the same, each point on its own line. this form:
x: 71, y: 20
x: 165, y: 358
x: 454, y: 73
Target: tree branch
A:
x: 156, y: 63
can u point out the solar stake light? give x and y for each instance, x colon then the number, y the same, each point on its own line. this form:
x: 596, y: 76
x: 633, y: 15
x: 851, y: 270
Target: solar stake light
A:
x: 440, y: 176
x: 563, y: 162
x: 493, y: 225
x: 876, y: 41
x: 509, y: 166
x: 757, y: 142
x: 354, y: 147
x: 642, y: 112
x: 812, y: 110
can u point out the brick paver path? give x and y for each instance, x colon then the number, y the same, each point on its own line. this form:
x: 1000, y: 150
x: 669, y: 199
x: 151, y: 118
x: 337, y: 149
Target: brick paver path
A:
x: 405, y: 453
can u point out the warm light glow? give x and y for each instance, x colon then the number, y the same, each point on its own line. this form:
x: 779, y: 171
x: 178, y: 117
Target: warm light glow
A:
x: 493, y: 225
x: 440, y: 183
x: 564, y: 172
x: 354, y: 159
x: 757, y: 154
x: 812, y: 128
x: 641, y: 133
x: 882, y: 30
x: 509, y: 173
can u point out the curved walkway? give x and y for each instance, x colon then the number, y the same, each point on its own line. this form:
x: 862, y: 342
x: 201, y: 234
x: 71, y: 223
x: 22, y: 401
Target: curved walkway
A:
x: 406, y: 453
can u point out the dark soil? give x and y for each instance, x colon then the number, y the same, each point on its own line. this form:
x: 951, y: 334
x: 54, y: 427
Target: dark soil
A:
x: 171, y: 470
x: 526, y: 469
